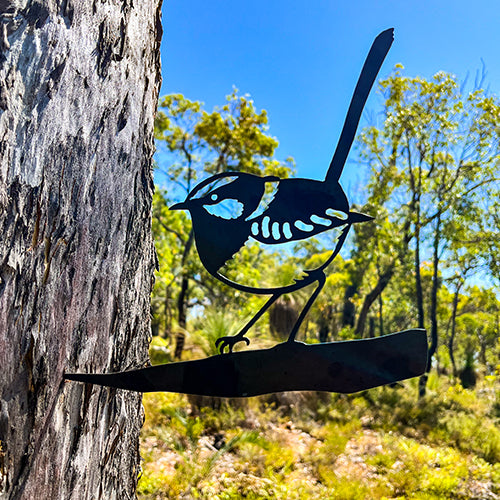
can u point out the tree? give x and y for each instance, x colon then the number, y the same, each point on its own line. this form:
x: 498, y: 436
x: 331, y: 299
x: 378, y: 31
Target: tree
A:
x: 78, y: 90
x: 433, y: 162
x: 193, y: 143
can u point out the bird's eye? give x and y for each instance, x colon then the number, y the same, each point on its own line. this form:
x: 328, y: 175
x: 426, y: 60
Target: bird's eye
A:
x: 214, y: 197
x: 225, y: 209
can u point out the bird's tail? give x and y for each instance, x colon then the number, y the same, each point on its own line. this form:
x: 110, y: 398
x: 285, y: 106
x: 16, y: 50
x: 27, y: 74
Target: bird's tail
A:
x: 374, y: 60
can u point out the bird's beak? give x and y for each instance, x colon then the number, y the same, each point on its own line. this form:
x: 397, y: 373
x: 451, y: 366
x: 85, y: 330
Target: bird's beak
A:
x: 357, y: 217
x: 179, y: 206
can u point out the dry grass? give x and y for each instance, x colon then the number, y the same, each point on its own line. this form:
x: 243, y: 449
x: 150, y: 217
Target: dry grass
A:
x: 378, y: 445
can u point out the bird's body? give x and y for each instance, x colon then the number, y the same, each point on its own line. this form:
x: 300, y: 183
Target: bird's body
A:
x: 301, y: 208
x: 286, y: 211
x: 232, y: 209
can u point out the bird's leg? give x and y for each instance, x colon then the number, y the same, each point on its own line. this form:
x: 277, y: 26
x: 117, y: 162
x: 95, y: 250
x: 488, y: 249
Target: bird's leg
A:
x: 230, y: 340
x: 310, y: 302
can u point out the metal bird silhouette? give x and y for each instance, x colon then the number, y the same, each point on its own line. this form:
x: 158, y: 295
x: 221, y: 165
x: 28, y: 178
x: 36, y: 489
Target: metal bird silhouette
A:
x: 230, y: 208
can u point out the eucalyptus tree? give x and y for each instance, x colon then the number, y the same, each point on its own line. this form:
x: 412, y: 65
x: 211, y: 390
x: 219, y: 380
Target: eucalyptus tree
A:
x: 78, y: 94
x: 433, y: 161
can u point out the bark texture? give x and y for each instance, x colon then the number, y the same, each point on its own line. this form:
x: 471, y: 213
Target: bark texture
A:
x: 78, y: 92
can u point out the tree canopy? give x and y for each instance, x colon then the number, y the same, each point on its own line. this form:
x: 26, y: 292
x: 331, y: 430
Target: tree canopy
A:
x: 197, y: 143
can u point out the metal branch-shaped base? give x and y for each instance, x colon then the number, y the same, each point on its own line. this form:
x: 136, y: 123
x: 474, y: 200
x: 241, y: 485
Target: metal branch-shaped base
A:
x: 349, y: 366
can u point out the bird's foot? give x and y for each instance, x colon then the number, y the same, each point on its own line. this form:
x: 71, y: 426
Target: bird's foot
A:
x: 229, y: 342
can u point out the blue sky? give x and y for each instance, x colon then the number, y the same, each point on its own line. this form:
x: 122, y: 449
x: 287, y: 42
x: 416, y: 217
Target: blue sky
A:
x: 300, y: 60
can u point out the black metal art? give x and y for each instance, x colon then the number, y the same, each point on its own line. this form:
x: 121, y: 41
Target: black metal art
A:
x: 299, y: 209
x: 230, y: 208
x: 349, y: 366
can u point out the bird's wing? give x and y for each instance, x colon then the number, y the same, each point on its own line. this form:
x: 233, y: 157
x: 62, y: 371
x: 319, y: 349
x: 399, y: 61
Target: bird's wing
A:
x: 299, y: 209
x: 270, y: 191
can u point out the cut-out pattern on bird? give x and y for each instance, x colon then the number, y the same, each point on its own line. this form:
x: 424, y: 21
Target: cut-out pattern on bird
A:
x: 233, y: 209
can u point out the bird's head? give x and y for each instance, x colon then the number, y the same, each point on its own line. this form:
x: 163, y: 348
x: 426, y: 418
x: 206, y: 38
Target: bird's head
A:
x: 229, y: 196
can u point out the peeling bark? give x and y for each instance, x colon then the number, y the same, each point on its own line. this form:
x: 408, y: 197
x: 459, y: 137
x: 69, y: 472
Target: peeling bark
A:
x: 78, y: 90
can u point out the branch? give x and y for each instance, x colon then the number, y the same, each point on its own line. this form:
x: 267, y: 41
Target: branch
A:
x: 170, y: 230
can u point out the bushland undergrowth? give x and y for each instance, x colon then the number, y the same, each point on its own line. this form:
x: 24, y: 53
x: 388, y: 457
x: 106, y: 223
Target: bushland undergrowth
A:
x: 382, y: 443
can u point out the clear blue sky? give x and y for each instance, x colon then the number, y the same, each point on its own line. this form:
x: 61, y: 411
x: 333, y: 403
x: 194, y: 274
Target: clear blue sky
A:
x: 300, y: 60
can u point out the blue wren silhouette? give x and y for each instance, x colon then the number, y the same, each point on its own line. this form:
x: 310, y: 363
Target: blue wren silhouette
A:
x: 230, y: 208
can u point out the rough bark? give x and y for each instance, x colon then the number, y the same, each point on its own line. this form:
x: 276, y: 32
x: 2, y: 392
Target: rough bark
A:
x: 78, y: 91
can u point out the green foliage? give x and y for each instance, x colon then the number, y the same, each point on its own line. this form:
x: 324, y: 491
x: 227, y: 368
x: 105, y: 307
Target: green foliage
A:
x: 159, y: 351
x: 210, y: 326
x: 192, y: 144
x: 378, y: 444
x: 450, y: 416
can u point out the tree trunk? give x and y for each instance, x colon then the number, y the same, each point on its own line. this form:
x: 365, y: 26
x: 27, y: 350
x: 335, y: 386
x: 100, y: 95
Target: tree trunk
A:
x: 371, y: 329
x: 182, y: 299
x: 451, y: 341
x: 78, y: 91
x: 348, y: 309
x: 382, y: 282
x: 381, y: 315
x: 168, y: 316
x: 436, y: 283
x: 418, y: 279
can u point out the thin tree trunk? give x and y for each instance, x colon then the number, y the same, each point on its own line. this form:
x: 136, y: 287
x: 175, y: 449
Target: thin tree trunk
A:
x: 370, y: 298
x: 436, y: 283
x: 168, y: 319
x: 182, y: 299
x: 381, y: 314
x: 78, y: 91
x: 433, y: 313
x: 348, y: 310
x: 451, y: 341
x: 418, y: 279
x: 371, y: 328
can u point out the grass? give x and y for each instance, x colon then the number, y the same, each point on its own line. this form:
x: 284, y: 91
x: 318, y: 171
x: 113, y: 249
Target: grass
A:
x: 381, y: 444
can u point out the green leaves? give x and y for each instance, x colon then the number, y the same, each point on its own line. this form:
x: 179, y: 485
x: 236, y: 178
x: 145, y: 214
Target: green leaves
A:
x: 435, y: 166
x: 193, y: 143
x: 236, y: 133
